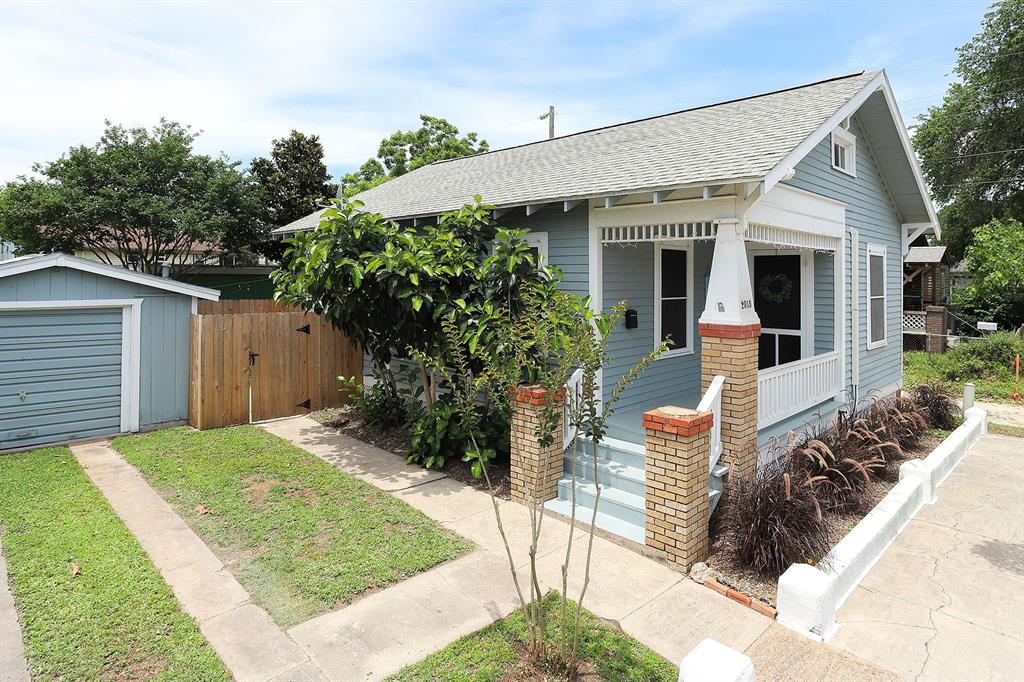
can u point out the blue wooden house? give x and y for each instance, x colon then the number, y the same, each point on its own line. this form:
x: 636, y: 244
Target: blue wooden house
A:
x: 785, y: 216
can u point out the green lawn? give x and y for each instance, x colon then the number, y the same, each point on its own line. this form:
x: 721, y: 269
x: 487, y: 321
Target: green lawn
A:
x: 1006, y: 429
x: 921, y: 368
x: 302, y: 536
x: 493, y: 654
x: 91, y: 604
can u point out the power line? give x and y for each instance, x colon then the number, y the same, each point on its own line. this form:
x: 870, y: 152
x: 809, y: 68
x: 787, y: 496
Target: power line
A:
x: 964, y: 156
x: 979, y: 182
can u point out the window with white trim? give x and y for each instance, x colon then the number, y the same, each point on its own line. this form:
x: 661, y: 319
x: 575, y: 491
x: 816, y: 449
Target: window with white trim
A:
x: 844, y: 150
x: 673, y: 298
x: 876, y: 296
x: 538, y: 243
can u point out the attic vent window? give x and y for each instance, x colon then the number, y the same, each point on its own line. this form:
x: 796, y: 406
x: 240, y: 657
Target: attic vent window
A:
x: 844, y: 151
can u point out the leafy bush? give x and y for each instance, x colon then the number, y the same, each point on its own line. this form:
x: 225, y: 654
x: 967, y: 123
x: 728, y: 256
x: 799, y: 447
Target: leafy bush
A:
x: 939, y: 409
x: 987, y: 357
x: 775, y: 520
x: 381, y: 408
x: 438, y: 432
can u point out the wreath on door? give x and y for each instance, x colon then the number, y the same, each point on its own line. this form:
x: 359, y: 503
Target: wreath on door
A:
x: 775, y: 288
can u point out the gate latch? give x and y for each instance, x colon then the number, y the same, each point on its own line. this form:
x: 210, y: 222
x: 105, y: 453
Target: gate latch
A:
x: 304, y: 329
x: 252, y: 358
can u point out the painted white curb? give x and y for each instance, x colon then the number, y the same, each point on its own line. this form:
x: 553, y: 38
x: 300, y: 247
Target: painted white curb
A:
x: 712, y: 661
x: 809, y: 596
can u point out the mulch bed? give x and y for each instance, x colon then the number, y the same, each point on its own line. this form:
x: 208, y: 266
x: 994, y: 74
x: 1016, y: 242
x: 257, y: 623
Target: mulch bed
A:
x: 728, y: 571
x: 349, y: 421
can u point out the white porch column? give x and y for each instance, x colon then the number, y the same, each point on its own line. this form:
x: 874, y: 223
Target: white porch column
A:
x: 729, y: 331
x: 730, y: 299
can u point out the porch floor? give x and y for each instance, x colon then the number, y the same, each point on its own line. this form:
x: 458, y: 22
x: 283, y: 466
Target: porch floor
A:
x: 626, y: 423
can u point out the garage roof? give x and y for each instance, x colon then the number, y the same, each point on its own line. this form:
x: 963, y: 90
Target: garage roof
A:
x: 17, y: 266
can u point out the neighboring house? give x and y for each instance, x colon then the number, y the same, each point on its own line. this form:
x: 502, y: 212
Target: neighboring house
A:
x: 6, y: 250
x: 89, y: 349
x: 765, y: 236
x: 925, y: 277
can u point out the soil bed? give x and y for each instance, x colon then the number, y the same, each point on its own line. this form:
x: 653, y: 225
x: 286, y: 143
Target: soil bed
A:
x: 730, y: 572
x: 350, y: 421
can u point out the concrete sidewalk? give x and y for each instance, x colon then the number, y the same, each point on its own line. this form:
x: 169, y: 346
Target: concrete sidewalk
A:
x: 12, y: 655
x: 653, y: 603
x: 946, y: 600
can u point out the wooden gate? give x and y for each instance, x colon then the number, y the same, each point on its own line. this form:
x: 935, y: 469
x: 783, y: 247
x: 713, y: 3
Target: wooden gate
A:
x: 255, y: 366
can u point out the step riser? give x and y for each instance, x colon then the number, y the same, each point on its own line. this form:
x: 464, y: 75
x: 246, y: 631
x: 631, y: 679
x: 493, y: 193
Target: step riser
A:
x: 605, y: 475
x: 585, y: 499
x: 605, y: 452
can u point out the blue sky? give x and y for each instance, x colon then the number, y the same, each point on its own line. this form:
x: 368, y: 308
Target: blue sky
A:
x: 245, y: 73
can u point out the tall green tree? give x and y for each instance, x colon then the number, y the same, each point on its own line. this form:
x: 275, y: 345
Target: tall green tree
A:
x: 435, y: 140
x: 136, y: 198
x: 995, y: 259
x: 295, y: 181
x: 972, y: 145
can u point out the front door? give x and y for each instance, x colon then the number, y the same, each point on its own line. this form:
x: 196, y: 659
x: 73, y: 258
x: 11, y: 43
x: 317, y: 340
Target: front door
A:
x: 777, y: 301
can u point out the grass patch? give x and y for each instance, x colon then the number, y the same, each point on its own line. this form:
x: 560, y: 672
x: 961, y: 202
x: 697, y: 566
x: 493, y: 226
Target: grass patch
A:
x: 924, y: 368
x: 91, y: 604
x: 1006, y: 429
x: 496, y: 653
x: 300, y: 535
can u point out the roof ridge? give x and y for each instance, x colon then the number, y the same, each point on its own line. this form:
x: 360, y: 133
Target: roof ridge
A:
x: 647, y: 118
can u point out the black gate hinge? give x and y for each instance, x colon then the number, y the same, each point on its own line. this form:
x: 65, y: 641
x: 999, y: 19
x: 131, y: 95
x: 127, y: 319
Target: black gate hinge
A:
x: 304, y: 329
x: 304, y: 403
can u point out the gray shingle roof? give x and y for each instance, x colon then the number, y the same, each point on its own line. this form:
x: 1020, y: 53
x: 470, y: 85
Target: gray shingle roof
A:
x: 736, y: 140
x: 925, y: 254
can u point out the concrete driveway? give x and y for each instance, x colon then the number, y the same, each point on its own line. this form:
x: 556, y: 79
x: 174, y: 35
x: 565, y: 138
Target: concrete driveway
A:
x: 946, y: 600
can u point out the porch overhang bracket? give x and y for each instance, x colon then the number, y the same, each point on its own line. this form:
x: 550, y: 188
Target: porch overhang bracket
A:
x: 570, y: 205
x: 661, y: 196
x: 632, y: 234
x: 611, y: 201
x: 533, y: 208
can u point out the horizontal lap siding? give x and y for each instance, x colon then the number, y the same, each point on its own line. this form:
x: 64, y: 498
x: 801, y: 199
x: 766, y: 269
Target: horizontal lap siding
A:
x: 629, y: 277
x: 824, y: 302
x: 163, y: 392
x: 870, y: 211
x: 567, y: 241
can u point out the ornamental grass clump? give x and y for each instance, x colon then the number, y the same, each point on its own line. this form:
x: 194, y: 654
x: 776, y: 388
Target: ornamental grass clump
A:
x: 938, y: 407
x: 775, y: 519
x: 835, y: 466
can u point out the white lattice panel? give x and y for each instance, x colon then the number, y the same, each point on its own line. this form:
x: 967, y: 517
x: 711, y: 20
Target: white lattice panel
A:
x: 914, y: 321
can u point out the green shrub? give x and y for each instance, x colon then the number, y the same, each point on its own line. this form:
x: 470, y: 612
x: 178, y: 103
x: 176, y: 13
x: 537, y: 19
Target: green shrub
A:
x: 987, y: 357
x: 380, y: 408
x: 438, y: 432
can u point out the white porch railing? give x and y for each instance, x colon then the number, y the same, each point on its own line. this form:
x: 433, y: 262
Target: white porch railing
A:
x: 712, y: 402
x: 796, y: 386
x: 573, y: 391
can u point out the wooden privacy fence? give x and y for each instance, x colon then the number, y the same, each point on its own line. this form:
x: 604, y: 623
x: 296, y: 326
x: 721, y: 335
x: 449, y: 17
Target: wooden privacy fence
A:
x: 244, y: 305
x: 262, y: 365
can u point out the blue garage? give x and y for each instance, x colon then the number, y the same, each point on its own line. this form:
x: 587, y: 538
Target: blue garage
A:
x: 88, y: 349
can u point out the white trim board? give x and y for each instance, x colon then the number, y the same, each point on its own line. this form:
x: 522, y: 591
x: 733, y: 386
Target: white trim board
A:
x: 131, y: 345
x: 687, y: 248
x: 17, y: 266
x: 879, y: 82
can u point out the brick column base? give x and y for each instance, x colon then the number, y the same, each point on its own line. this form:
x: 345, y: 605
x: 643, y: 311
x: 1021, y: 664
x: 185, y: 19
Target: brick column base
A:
x: 535, y: 469
x: 731, y: 351
x: 935, y: 326
x: 676, y: 483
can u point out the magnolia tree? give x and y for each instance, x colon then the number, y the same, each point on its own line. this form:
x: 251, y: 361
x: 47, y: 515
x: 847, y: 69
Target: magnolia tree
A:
x: 554, y: 336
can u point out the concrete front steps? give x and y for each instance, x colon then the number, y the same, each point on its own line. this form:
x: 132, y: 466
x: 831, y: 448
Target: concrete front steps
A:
x: 620, y: 473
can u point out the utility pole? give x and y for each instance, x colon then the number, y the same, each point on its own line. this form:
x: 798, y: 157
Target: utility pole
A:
x: 550, y: 116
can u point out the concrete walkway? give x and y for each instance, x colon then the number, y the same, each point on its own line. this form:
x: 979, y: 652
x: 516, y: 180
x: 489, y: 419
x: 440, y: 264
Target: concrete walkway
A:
x: 1010, y: 414
x: 658, y: 606
x: 12, y: 655
x: 242, y: 633
x: 946, y: 600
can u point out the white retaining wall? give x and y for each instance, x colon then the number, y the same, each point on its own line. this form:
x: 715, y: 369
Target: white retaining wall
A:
x: 809, y: 596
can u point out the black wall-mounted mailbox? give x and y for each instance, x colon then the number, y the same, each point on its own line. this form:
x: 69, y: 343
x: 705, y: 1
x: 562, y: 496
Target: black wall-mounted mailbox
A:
x: 631, y: 319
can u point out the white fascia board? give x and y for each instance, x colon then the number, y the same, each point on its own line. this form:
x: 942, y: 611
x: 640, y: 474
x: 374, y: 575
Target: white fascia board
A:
x: 63, y: 260
x: 666, y: 213
x: 879, y: 82
x: 792, y: 208
x: 776, y: 174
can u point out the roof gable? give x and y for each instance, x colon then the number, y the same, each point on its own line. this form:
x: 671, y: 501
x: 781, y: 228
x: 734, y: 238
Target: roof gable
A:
x: 22, y: 264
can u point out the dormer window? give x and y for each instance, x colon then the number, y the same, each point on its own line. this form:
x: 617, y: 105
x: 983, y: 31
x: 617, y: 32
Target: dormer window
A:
x: 844, y: 149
